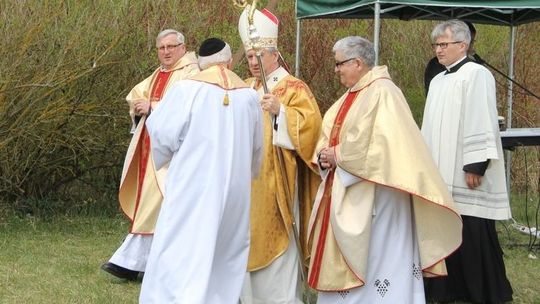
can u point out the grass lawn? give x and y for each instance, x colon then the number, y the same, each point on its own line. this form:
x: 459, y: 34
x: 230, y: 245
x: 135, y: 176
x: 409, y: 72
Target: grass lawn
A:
x: 57, y: 261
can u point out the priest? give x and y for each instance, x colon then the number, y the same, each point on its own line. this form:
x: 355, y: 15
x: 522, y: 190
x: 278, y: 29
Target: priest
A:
x: 209, y: 128
x: 383, y: 217
x: 461, y: 129
x: 141, y: 185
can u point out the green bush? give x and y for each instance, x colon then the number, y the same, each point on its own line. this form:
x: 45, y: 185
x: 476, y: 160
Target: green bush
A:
x: 66, y: 67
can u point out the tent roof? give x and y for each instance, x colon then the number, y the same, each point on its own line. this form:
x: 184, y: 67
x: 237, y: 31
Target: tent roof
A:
x: 509, y: 12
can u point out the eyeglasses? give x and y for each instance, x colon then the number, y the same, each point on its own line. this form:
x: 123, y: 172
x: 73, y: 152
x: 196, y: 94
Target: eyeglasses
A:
x: 444, y: 45
x: 340, y: 63
x: 168, y: 47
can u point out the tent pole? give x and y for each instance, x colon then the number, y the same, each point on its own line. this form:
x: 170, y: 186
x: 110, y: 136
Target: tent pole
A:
x: 509, y: 96
x: 298, y: 40
x: 376, y: 31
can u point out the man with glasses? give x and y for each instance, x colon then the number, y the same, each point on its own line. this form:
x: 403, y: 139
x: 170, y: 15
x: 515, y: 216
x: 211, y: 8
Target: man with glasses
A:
x: 141, y: 186
x: 284, y: 191
x: 460, y: 126
x: 383, y: 216
x: 434, y: 67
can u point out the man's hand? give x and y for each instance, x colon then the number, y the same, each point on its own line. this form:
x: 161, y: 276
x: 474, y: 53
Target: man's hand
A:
x: 270, y: 103
x: 327, y: 158
x: 141, y: 107
x: 473, y: 180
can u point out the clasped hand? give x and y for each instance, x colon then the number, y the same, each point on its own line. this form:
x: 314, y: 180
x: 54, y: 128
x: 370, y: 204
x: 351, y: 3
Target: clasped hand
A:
x: 327, y: 158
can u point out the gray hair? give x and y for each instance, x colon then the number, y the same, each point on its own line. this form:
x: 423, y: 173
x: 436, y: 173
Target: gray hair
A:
x: 459, y: 29
x: 271, y: 49
x: 179, y: 36
x: 356, y: 47
x: 222, y: 57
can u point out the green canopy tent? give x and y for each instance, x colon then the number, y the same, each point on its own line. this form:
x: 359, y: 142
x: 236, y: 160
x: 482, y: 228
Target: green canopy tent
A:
x: 496, y: 12
x: 490, y: 12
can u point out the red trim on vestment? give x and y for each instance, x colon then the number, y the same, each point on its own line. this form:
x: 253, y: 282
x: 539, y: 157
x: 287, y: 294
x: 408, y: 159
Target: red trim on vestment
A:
x: 159, y: 85
x: 157, y: 92
x: 327, y: 197
x: 427, y: 200
x: 326, y: 200
x: 270, y: 16
x: 224, y: 77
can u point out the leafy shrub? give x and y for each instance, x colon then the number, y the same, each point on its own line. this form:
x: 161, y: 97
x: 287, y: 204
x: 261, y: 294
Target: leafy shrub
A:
x: 66, y: 66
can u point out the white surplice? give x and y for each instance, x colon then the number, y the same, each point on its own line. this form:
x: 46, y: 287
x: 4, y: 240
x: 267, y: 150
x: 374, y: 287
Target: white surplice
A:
x: 394, y: 274
x: 201, y: 242
x: 133, y: 253
x: 460, y: 126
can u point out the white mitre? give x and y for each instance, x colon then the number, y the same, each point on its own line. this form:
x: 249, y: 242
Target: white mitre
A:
x: 266, y: 26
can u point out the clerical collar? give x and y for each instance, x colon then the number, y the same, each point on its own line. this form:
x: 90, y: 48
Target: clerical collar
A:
x: 275, y: 73
x: 275, y: 76
x: 455, y: 66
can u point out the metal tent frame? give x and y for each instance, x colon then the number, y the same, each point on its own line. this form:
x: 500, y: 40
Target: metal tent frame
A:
x: 495, y: 12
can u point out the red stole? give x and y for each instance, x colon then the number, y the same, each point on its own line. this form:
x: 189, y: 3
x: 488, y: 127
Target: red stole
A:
x: 326, y: 198
x: 159, y: 85
x: 158, y: 89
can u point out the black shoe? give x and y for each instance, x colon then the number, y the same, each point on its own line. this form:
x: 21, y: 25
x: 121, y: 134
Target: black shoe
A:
x: 120, y: 272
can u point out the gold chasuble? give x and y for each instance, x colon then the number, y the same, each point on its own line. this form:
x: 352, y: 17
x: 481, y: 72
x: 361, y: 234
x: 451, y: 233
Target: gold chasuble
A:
x: 377, y: 140
x: 222, y: 77
x: 271, y: 218
x: 141, y: 186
